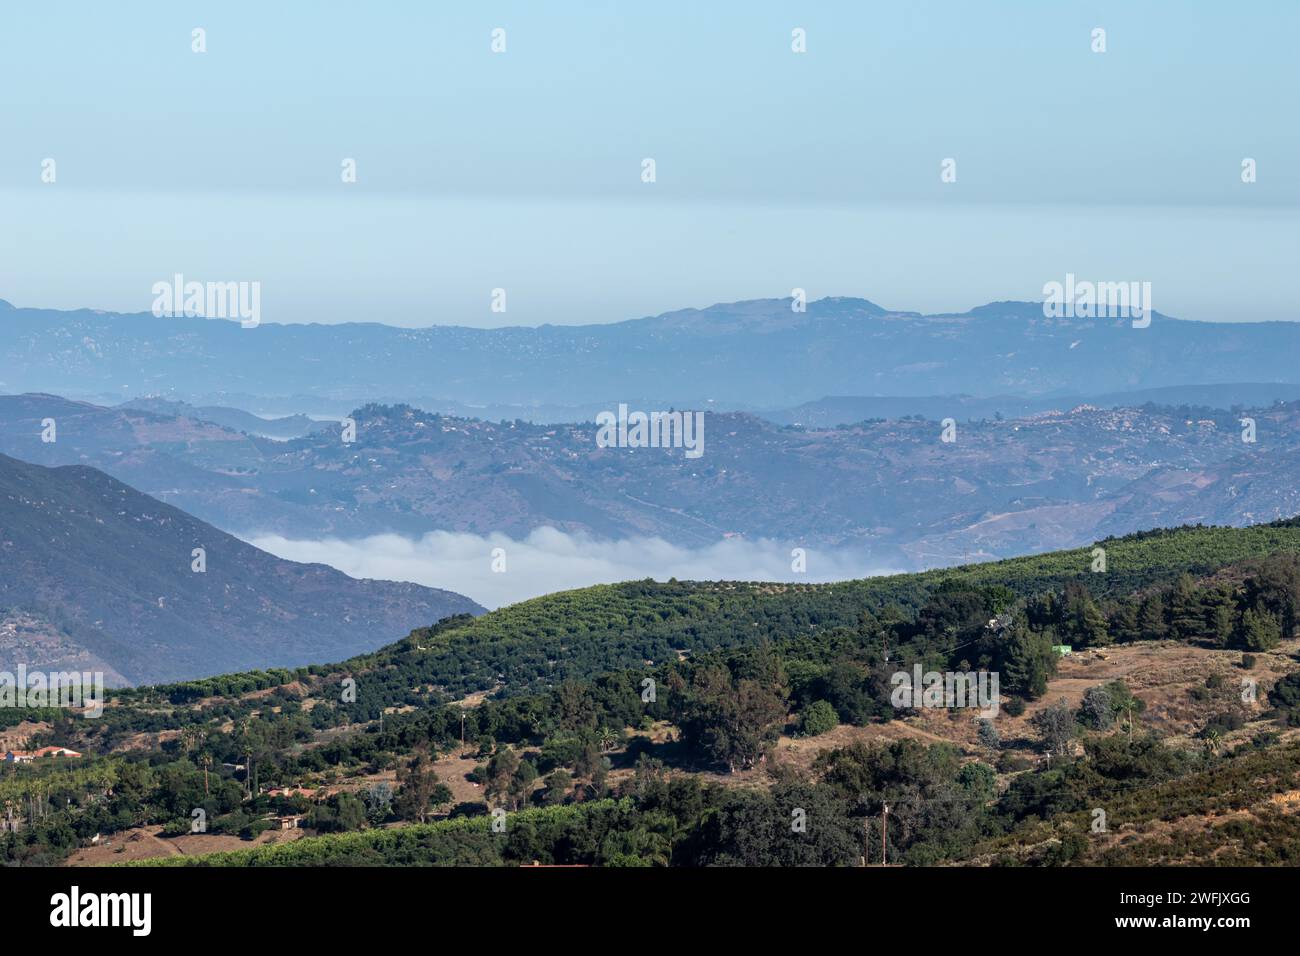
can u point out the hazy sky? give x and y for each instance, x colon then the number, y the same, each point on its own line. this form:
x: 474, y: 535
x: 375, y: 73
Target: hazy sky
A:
x: 521, y: 170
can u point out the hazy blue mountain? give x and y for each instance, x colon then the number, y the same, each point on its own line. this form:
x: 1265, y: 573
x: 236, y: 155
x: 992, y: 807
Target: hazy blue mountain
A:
x: 754, y: 354
x: 92, y: 571
x: 845, y: 410
x: 289, y: 426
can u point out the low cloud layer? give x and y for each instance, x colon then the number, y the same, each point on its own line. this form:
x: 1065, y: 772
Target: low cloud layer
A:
x: 550, y: 560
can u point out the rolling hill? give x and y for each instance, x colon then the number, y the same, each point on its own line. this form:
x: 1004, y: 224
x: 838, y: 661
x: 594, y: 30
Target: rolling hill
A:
x: 284, y: 427
x: 538, y: 711
x: 96, y: 575
x: 891, y: 488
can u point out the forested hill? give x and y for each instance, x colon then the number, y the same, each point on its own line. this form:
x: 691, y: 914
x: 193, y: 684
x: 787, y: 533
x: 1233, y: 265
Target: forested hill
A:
x: 677, y: 723
x: 583, y: 633
x: 96, y: 576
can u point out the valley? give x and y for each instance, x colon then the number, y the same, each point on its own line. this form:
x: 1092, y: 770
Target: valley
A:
x: 764, y: 697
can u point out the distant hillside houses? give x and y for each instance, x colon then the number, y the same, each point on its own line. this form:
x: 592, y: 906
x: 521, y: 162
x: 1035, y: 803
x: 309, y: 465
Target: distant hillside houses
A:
x: 28, y: 756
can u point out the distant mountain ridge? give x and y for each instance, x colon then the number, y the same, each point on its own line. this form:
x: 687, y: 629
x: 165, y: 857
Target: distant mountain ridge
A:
x: 848, y: 409
x: 757, y: 354
x: 890, y: 488
x: 289, y: 426
x: 96, y: 575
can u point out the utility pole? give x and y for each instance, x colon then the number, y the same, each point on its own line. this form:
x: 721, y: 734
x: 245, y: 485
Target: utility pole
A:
x: 866, y: 836
x: 462, y: 728
x: 884, y: 829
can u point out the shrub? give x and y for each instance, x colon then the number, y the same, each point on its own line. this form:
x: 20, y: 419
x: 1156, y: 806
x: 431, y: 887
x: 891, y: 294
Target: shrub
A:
x: 254, y: 829
x: 1009, y: 762
x: 175, y: 828
x: 818, y: 718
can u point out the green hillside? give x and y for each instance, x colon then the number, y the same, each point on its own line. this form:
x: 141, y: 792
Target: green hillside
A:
x: 583, y: 633
x: 699, y: 709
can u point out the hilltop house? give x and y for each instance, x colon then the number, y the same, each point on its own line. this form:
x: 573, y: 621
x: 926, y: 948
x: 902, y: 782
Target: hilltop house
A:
x: 290, y: 792
x: 27, y: 756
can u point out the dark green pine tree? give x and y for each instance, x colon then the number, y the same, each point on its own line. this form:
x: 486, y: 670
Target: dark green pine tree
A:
x: 1151, y: 619
x: 1260, y: 630
x: 1186, y: 613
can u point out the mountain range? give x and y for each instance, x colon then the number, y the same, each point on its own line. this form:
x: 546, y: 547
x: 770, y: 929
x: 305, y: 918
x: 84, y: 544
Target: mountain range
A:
x: 892, y: 488
x: 95, y: 575
x: 754, y: 354
x: 848, y: 409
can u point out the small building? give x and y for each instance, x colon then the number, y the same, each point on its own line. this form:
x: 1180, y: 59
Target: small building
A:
x: 290, y: 792
x: 291, y: 822
x: 27, y: 756
x: 56, y: 752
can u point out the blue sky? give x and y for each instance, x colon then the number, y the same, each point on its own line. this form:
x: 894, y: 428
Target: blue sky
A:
x: 521, y: 170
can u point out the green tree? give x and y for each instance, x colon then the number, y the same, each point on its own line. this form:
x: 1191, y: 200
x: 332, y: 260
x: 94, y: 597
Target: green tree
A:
x: 559, y: 783
x: 1275, y: 588
x: 351, y: 812
x: 818, y: 718
x: 988, y: 734
x: 733, y: 721
x: 1151, y: 619
x: 1027, y: 660
x: 1260, y: 630
x: 1124, y: 625
x: 978, y: 779
x: 1106, y: 704
x: 418, y: 789
x: 797, y: 825
x: 1083, y: 622
x: 1220, y: 616
x: 1186, y: 613
x: 1056, y: 726
x: 500, y: 774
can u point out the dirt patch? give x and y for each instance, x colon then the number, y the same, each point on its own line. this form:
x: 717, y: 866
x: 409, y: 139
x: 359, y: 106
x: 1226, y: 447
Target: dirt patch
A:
x: 16, y: 737
x: 1165, y: 675
x: 143, y: 843
x: 451, y: 770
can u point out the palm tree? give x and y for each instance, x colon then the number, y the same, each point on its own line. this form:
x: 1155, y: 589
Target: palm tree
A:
x: 190, y: 738
x: 1213, y: 738
x: 607, y: 739
x: 246, y: 745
